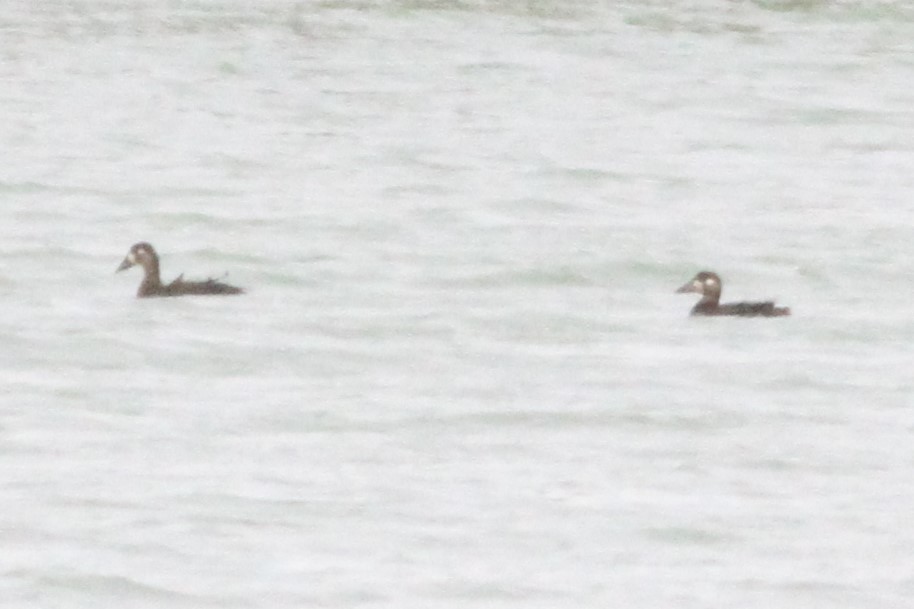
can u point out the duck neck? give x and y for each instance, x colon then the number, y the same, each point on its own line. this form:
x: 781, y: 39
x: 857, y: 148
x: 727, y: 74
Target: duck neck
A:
x: 710, y: 298
x: 151, y: 278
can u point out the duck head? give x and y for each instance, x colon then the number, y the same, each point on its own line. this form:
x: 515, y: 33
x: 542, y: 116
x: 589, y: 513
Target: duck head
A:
x: 140, y: 253
x: 705, y: 283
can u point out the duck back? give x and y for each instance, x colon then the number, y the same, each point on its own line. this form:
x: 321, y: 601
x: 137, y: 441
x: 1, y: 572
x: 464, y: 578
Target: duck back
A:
x: 741, y: 309
x: 180, y: 287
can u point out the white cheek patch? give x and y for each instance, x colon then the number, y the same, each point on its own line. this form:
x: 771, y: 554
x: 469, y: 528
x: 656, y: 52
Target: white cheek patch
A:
x: 697, y: 286
x: 131, y: 257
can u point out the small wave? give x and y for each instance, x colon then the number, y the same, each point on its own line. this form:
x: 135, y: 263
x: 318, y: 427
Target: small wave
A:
x: 558, y: 276
x: 120, y: 587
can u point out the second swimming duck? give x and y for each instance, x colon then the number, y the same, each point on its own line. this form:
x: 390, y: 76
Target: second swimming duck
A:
x: 708, y: 284
x: 145, y: 255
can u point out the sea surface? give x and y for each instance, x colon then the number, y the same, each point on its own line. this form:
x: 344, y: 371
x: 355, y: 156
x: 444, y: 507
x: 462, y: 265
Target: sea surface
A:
x: 460, y: 376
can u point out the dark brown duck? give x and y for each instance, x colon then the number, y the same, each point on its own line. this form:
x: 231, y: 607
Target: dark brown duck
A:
x: 708, y: 284
x: 145, y: 255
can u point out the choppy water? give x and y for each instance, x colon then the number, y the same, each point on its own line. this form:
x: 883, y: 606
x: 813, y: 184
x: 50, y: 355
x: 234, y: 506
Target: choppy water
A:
x: 460, y: 377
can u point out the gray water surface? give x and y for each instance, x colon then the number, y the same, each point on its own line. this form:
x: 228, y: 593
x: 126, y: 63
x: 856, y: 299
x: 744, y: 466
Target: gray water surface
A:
x: 460, y: 376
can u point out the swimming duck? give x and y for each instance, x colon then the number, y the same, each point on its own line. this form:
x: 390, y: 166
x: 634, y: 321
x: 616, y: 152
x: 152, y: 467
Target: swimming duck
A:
x: 708, y: 284
x: 145, y: 255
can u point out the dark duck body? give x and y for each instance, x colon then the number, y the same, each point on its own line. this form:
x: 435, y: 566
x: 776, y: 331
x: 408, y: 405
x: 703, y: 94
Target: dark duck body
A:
x: 709, y: 286
x: 145, y: 255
